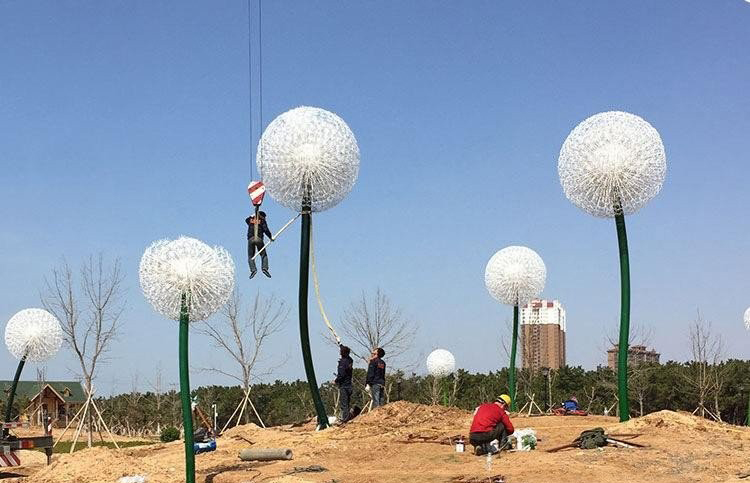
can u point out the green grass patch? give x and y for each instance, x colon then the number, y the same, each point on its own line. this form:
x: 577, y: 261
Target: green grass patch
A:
x: 64, y: 446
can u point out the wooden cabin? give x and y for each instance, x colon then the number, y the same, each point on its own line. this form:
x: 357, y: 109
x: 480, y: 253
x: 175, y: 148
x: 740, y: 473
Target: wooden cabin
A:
x: 60, y: 399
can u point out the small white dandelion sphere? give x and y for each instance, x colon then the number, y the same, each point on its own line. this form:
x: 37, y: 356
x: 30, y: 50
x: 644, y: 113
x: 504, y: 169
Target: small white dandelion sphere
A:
x: 171, y: 268
x: 33, y: 333
x: 515, y: 275
x: 747, y: 318
x: 441, y: 363
x: 612, y: 162
x: 308, y: 152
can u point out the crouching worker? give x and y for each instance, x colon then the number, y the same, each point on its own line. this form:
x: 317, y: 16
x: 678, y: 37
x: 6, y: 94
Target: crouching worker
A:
x: 491, y: 422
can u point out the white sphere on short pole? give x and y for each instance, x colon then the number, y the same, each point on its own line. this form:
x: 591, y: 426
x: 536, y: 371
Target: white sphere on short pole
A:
x: 441, y: 363
x: 747, y: 318
x: 33, y: 333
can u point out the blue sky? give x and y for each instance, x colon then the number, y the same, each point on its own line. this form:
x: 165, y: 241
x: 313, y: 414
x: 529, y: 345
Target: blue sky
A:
x: 125, y: 122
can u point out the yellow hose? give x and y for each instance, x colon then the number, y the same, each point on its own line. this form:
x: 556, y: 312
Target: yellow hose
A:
x: 317, y: 291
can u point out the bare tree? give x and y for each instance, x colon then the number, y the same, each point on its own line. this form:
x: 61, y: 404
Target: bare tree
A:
x: 158, y: 387
x: 242, y: 336
x: 638, y: 373
x: 89, y: 311
x: 705, y: 377
x: 376, y: 323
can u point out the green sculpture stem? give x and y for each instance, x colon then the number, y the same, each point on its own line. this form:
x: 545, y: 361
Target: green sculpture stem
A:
x: 512, y: 367
x: 622, y: 348
x: 12, y: 395
x: 187, y: 407
x: 304, y: 335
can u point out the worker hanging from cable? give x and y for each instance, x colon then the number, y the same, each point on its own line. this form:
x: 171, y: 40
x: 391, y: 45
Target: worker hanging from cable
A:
x: 256, y: 228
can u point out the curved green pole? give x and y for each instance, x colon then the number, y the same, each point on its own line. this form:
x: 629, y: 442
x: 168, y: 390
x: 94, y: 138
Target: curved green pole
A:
x: 12, y: 395
x: 512, y: 368
x: 187, y: 408
x: 622, y: 348
x: 304, y: 335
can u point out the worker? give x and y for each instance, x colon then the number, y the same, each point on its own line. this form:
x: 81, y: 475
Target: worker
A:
x: 571, y: 404
x: 256, y: 228
x: 376, y: 377
x: 491, y: 422
x: 344, y: 382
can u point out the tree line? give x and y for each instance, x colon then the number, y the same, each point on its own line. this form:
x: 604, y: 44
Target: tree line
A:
x: 656, y: 387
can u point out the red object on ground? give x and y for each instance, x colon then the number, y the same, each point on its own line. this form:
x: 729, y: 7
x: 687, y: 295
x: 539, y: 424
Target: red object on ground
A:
x: 565, y: 412
x: 487, y: 417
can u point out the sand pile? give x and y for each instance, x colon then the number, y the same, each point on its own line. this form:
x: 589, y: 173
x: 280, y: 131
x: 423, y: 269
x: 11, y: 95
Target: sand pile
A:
x: 375, y: 448
x: 677, y: 422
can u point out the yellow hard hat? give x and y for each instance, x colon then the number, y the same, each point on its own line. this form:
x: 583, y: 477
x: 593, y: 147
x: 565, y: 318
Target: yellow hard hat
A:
x: 504, y: 398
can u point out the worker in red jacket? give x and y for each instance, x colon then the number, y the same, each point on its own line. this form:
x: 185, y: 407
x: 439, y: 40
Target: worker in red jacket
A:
x: 491, y: 422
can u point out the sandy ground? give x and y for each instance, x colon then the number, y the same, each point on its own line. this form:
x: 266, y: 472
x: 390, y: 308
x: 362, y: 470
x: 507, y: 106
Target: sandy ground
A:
x: 681, y: 448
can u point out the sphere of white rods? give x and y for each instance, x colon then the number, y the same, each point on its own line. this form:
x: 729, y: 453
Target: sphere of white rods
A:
x: 171, y: 268
x: 612, y: 162
x: 515, y: 275
x: 308, y: 151
x: 747, y: 318
x: 441, y: 363
x: 34, y: 333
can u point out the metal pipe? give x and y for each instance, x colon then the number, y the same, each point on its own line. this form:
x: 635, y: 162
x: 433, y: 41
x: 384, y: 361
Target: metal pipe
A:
x: 512, y: 366
x: 622, y: 349
x: 265, y: 454
x: 187, y: 407
x: 12, y: 395
x: 304, y: 275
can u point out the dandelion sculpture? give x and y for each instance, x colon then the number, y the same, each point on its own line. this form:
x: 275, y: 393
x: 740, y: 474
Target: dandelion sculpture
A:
x: 309, y: 160
x: 610, y: 166
x: 441, y: 363
x: 515, y: 275
x: 31, y: 335
x: 185, y: 280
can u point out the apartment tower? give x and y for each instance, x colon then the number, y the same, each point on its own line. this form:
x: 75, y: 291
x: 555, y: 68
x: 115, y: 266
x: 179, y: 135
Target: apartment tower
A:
x: 543, y: 335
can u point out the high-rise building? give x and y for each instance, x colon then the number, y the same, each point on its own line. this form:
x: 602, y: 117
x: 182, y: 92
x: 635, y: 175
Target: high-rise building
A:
x: 637, y: 354
x: 543, y: 335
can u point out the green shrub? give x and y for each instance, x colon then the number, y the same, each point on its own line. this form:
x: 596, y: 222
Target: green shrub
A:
x: 170, y: 433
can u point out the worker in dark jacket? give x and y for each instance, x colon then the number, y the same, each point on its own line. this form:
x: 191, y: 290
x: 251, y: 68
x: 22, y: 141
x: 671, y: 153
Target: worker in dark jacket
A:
x: 344, y: 382
x: 376, y: 377
x: 491, y: 422
x: 256, y: 228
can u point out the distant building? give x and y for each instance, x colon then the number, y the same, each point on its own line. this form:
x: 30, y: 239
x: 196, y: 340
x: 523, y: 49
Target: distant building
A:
x: 637, y: 354
x: 60, y: 399
x: 543, y: 335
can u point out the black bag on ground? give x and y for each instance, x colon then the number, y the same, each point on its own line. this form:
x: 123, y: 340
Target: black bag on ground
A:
x: 592, y: 438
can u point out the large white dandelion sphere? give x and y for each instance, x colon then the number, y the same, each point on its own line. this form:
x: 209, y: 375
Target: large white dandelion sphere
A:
x: 441, y: 363
x: 515, y: 275
x: 612, y: 162
x: 33, y: 333
x: 747, y: 318
x: 171, y: 268
x: 308, y: 152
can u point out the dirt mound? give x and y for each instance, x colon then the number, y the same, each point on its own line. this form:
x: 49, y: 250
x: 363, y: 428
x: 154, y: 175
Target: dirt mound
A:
x: 241, y: 429
x: 377, y: 448
x: 402, y: 413
x: 677, y: 421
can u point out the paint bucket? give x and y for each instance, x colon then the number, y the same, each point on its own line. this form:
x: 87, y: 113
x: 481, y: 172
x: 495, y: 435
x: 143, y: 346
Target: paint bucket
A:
x: 460, y: 445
